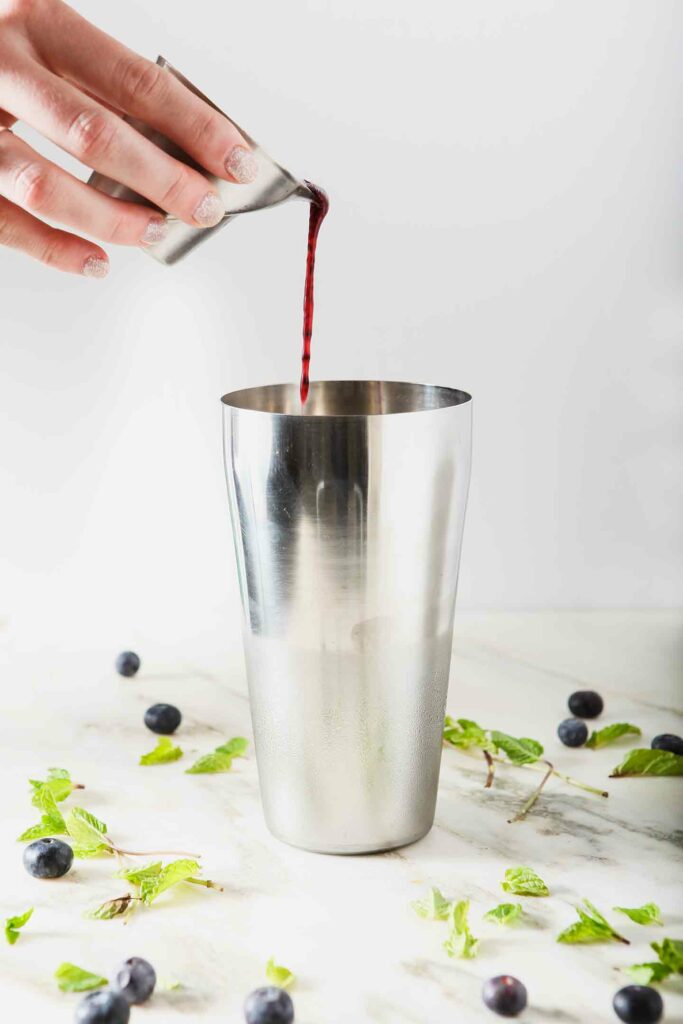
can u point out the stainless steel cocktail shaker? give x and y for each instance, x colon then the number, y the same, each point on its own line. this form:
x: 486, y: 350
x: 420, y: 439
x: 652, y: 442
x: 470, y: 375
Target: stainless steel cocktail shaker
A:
x: 347, y: 520
x: 273, y: 185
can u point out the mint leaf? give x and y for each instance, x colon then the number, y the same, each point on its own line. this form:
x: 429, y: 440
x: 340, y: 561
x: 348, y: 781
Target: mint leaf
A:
x: 519, y: 751
x: 649, y: 762
x: 236, y: 747
x: 212, y: 763
x: 112, y: 908
x: 465, y: 733
x: 523, y: 881
x: 13, y: 924
x: 648, y: 974
x: 58, y: 782
x: 163, y: 753
x: 139, y: 875
x: 504, y: 913
x: 175, y: 872
x: 88, y: 833
x: 74, y: 979
x: 460, y: 942
x: 47, y: 827
x: 649, y: 913
x: 591, y: 927
x: 610, y: 733
x: 670, y: 953
x: 220, y: 759
x: 51, y: 823
x: 433, y: 907
x: 277, y: 975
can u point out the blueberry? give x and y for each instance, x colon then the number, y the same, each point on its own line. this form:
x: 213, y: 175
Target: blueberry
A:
x: 573, y: 732
x: 48, y: 858
x: 163, y: 718
x: 135, y: 980
x: 504, y: 995
x: 108, y: 1007
x: 586, y: 704
x: 638, y: 1004
x: 667, y: 741
x: 127, y: 663
x: 269, y: 1005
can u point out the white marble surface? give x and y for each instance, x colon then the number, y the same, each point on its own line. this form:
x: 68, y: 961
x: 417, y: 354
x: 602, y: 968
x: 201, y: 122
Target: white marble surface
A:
x: 343, y: 924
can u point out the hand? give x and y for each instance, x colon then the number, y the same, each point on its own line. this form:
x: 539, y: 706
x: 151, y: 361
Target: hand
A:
x: 73, y: 83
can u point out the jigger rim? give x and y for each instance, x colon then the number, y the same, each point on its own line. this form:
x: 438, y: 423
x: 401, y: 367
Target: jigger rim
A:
x: 346, y: 399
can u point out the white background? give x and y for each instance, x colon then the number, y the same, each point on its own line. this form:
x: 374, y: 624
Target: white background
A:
x: 506, y: 186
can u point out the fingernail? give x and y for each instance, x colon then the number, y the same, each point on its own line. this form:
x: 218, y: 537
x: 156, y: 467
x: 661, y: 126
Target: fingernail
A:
x: 210, y: 211
x: 96, y: 266
x: 155, y: 231
x: 242, y: 165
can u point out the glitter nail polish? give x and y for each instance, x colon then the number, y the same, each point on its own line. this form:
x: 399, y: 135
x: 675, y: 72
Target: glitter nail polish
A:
x: 210, y: 211
x: 242, y: 165
x: 95, y: 266
x: 156, y: 230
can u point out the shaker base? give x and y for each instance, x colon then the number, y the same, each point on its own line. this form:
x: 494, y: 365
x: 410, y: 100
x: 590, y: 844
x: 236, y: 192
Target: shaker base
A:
x: 354, y: 849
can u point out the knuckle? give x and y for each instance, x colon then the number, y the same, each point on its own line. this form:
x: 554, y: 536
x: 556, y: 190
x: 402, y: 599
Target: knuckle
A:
x: 119, y: 230
x: 52, y: 253
x: 174, y: 192
x: 203, y: 131
x: 8, y: 233
x: 34, y: 186
x: 140, y: 79
x: 91, y: 134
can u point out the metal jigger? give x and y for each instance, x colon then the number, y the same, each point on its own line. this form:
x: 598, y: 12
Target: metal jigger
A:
x: 273, y: 185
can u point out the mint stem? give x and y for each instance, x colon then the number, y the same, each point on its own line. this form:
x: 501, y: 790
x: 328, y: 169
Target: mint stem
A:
x: 206, y: 882
x: 154, y: 853
x: 489, y: 774
x: 522, y: 813
x: 580, y: 785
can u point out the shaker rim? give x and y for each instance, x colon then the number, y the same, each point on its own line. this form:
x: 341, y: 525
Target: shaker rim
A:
x: 364, y: 398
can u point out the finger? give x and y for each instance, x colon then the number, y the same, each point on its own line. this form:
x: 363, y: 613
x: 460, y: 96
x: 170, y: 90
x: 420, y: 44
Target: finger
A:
x: 100, y: 139
x: 59, y: 249
x: 35, y: 184
x: 82, y: 52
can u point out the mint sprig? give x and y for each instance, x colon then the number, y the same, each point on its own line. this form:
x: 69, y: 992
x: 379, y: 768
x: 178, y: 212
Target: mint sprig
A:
x: 460, y: 942
x: 52, y: 821
x: 177, y: 871
x: 522, y: 752
x: 610, y: 734
x: 464, y: 733
x: 649, y: 762
x: 278, y: 975
x: 591, y: 927
x: 164, y: 753
x: 88, y: 833
x: 71, y: 978
x: 220, y: 759
x: 13, y: 924
x: 151, y: 881
x: 58, y: 782
x: 505, y: 913
x: 670, y: 953
x: 648, y: 973
x: 649, y: 913
x: 523, y: 881
x: 434, y: 907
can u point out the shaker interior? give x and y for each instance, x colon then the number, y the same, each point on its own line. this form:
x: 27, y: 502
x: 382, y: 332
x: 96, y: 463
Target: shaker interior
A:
x: 346, y: 398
